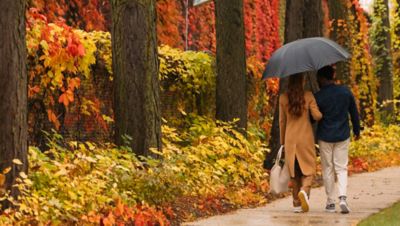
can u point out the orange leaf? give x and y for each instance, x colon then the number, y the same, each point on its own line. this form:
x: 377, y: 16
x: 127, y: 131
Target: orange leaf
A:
x: 33, y: 90
x: 63, y: 99
x: 109, y: 220
x: 81, y: 50
x: 53, y: 118
x: 74, y: 83
x: 70, y: 95
x: 139, y: 220
x: 119, y: 209
x: 75, y: 47
x: 51, y: 115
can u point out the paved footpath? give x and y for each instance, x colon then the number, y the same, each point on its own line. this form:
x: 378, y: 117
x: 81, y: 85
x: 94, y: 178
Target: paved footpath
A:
x: 368, y: 193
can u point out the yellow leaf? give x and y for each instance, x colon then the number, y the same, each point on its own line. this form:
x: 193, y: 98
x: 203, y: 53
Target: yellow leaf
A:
x: 44, y: 45
x: 62, y: 172
x: 17, y: 162
x: 91, y: 146
x: 23, y: 175
x: 2, y: 179
x: 28, y: 182
x: 72, y: 195
x: 6, y: 170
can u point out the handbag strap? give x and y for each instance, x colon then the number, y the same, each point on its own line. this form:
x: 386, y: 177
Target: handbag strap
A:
x: 279, y: 155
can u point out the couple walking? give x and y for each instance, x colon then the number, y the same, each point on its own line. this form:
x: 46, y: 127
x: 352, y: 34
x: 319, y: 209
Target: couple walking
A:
x: 330, y: 107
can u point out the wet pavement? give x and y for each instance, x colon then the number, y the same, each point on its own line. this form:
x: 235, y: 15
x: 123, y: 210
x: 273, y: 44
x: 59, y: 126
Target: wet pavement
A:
x: 368, y: 193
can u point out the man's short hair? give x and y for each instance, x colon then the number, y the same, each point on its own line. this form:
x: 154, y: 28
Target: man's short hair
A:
x: 326, y: 72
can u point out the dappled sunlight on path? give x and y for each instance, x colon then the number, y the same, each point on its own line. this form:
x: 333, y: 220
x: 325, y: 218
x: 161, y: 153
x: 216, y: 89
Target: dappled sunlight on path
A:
x: 368, y: 193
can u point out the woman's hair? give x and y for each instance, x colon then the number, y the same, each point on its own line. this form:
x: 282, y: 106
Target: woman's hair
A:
x: 296, y: 95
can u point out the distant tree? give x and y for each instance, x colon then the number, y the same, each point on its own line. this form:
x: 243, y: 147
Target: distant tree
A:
x: 362, y: 78
x: 338, y: 18
x: 13, y: 95
x: 231, y: 98
x: 396, y: 48
x: 135, y: 69
x: 381, y: 46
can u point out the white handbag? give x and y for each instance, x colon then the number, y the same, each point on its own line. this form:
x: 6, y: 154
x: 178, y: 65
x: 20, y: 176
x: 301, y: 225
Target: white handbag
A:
x: 279, y: 176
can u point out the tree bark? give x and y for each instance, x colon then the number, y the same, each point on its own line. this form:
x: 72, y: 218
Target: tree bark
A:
x: 231, y: 96
x: 396, y: 55
x: 337, y: 14
x: 135, y: 68
x: 312, y: 27
x: 13, y: 92
x: 397, y: 12
x: 303, y: 20
x: 382, y: 55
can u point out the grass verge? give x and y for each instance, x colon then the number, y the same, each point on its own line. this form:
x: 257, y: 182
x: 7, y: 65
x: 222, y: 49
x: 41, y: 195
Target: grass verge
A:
x: 387, y: 217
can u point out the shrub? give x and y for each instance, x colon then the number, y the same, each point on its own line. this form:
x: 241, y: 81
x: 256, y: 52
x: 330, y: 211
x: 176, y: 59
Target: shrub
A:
x: 83, y: 182
x: 378, y: 147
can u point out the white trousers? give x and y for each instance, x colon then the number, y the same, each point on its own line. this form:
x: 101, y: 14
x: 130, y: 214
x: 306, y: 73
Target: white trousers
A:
x: 334, y: 160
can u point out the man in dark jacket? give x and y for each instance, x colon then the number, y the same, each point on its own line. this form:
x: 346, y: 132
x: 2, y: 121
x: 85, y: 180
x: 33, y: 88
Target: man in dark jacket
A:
x: 336, y: 103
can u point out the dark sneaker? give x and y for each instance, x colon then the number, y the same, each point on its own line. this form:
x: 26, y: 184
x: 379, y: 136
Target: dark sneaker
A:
x: 330, y: 208
x: 343, y: 205
x: 304, y: 201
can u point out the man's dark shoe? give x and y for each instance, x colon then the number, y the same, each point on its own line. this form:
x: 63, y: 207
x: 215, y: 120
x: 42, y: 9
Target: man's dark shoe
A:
x: 330, y: 208
x: 343, y: 205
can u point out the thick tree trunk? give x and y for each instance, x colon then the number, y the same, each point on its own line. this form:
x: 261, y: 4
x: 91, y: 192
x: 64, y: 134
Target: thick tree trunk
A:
x: 337, y: 14
x: 396, y: 54
x: 303, y: 20
x: 13, y: 92
x: 397, y: 12
x: 313, y: 27
x: 294, y: 20
x: 231, y: 97
x: 313, y: 18
x: 382, y: 57
x: 135, y: 68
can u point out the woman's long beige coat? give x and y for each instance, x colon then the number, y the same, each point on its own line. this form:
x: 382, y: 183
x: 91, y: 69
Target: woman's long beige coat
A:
x: 297, y: 135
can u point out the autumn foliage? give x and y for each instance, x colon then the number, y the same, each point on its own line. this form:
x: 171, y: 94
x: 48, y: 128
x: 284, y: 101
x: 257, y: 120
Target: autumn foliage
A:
x: 60, y: 62
x: 261, y: 28
x: 83, y: 182
x: 206, y: 166
x: 261, y: 22
x: 88, y: 15
x: 171, y: 23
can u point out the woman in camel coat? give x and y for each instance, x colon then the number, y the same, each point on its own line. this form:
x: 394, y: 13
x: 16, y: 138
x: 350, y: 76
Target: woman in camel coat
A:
x: 296, y: 134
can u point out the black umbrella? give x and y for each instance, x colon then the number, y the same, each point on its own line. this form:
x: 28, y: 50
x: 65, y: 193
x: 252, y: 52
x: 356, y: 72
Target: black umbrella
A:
x: 309, y: 54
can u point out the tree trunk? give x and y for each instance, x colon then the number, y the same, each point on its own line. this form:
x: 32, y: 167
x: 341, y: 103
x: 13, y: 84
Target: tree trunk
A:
x: 396, y: 52
x: 13, y: 93
x: 312, y: 27
x: 135, y: 68
x: 337, y: 14
x: 313, y: 18
x: 294, y: 20
x: 362, y: 79
x: 231, y: 97
x: 303, y: 19
x: 382, y: 57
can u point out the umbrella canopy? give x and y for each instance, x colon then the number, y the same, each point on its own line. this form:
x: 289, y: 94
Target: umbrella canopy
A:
x: 309, y: 54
